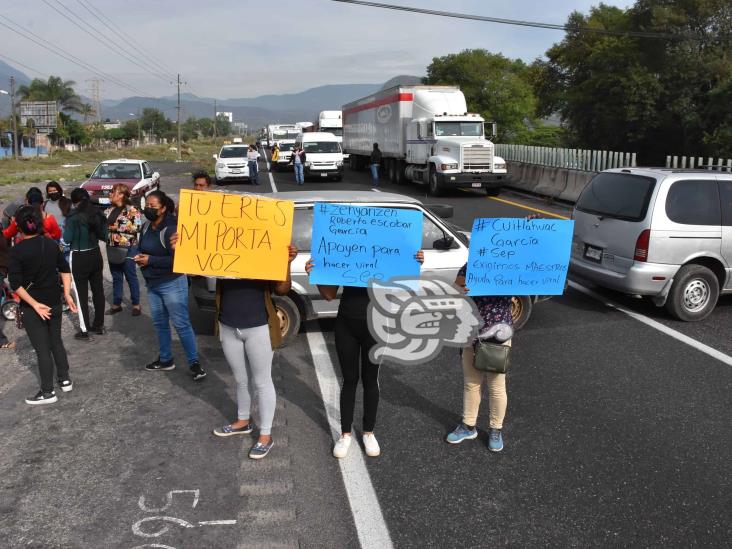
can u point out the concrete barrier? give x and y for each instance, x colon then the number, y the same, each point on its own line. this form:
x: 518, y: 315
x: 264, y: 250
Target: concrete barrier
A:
x: 558, y: 183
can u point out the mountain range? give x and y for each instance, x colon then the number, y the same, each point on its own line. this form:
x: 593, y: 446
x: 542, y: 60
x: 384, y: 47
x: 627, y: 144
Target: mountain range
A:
x: 256, y: 112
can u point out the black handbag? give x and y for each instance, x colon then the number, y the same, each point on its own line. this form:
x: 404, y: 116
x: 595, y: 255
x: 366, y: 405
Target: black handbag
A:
x: 116, y: 255
x: 491, y: 356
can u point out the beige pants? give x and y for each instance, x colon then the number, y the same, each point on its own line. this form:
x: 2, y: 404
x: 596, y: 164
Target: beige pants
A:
x: 472, y: 381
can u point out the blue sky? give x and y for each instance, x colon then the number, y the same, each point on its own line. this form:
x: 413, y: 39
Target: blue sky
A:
x: 244, y: 48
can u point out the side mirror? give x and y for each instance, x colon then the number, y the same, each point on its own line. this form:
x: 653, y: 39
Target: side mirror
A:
x: 156, y: 175
x: 215, y: 156
x: 444, y: 243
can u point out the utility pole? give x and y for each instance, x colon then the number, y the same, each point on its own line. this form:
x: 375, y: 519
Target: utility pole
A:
x: 215, y: 117
x: 178, y: 109
x: 12, y: 114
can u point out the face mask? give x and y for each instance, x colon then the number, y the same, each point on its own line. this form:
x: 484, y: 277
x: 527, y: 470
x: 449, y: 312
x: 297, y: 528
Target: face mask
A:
x: 150, y: 213
x: 53, y: 196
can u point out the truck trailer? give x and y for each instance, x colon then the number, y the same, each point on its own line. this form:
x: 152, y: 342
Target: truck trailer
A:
x: 426, y: 135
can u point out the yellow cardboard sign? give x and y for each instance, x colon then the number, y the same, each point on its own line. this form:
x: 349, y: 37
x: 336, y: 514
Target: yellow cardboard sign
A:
x: 233, y: 235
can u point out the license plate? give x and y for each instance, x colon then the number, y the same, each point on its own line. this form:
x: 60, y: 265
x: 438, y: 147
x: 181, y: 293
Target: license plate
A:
x: 235, y: 171
x: 477, y: 185
x: 323, y: 175
x: 593, y: 253
x: 104, y: 201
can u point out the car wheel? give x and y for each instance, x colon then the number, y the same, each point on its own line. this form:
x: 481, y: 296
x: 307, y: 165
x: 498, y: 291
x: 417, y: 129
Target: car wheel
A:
x: 521, y: 307
x: 289, y: 317
x: 10, y: 310
x: 694, y: 293
x: 435, y: 189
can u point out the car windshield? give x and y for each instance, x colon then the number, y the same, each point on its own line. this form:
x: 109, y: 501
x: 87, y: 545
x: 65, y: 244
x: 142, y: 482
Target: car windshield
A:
x: 472, y: 129
x: 279, y: 135
x: 109, y: 170
x: 322, y: 147
x: 233, y: 152
x: 334, y: 131
x: 617, y: 195
x: 286, y: 146
x: 292, y: 134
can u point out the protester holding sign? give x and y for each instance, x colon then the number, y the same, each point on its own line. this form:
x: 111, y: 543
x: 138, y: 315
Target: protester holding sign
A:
x: 167, y: 291
x: 353, y: 343
x: 249, y: 330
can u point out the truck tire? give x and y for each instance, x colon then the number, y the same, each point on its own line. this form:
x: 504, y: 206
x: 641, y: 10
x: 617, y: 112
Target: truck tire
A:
x: 694, y: 293
x: 435, y: 189
x: 493, y: 191
x: 521, y: 307
x: 289, y: 316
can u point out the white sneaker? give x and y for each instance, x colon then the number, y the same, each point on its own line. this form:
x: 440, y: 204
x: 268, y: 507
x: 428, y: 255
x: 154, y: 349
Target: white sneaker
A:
x: 371, y: 445
x: 340, y: 450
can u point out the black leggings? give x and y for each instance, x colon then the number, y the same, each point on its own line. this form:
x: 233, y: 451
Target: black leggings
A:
x: 353, y: 343
x: 87, y: 268
x: 45, y: 336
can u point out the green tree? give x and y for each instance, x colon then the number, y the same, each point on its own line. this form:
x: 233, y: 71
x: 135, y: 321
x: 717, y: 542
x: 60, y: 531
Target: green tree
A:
x: 54, y: 89
x: 223, y: 126
x: 115, y: 134
x: 154, y: 121
x: 495, y: 86
x: 654, y: 96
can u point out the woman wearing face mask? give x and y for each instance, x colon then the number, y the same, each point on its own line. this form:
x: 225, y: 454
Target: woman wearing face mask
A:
x: 85, y: 227
x: 59, y: 206
x: 124, y: 223
x: 167, y: 291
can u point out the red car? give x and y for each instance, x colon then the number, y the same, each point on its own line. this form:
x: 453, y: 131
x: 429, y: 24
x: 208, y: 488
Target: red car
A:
x: 136, y: 174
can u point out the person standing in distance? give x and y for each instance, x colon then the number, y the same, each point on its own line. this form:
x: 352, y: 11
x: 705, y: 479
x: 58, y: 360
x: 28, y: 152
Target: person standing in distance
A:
x: 297, y: 159
x: 375, y: 164
x: 252, y: 162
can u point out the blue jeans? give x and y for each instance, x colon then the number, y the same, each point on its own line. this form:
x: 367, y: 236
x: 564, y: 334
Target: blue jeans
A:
x: 127, y: 270
x: 169, y: 302
x: 374, y: 173
x: 253, y: 174
x: 299, y: 174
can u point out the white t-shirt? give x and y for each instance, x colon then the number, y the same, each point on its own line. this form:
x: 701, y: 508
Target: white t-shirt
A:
x: 252, y: 156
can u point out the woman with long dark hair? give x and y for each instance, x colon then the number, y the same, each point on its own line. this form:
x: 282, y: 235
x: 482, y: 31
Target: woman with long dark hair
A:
x: 167, y: 291
x: 85, y: 227
x: 124, y: 223
x: 35, y: 265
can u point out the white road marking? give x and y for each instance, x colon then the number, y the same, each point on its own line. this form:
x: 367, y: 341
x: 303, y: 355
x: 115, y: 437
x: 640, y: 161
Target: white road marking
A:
x: 375, y: 189
x: 698, y: 345
x: 370, y: 525
x: 215, y: 522
x: 269, y: 171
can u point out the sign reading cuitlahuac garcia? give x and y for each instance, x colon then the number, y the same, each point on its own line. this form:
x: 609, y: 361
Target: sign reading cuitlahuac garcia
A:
x: 233, y: 235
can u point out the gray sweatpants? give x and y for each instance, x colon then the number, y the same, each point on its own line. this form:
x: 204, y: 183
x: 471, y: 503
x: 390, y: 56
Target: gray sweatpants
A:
x: 249, y: 353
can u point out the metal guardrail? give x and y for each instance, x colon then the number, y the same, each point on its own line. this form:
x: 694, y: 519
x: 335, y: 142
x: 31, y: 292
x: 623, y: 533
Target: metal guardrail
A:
x: 575, y: 159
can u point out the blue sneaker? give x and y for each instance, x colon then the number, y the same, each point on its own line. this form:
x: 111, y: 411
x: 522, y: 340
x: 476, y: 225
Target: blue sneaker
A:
x: 462, y: 432
x: 495, y: 440
x: 260, y: 450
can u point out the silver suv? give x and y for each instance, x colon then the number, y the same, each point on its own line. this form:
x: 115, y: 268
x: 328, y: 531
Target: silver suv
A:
x: 655, y: 232
x: 445, y: 252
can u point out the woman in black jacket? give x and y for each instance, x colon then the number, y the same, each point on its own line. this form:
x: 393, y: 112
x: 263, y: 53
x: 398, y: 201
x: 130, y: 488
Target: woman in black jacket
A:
x: 35, y: 264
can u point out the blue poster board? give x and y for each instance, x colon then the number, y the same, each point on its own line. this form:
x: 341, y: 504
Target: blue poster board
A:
x: 352, y: 244
x: 513, y: 256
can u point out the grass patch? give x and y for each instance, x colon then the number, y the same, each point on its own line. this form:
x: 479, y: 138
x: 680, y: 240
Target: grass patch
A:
x: 36, y: 170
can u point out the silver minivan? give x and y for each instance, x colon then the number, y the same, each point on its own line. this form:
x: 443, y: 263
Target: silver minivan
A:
x: 656, y: 232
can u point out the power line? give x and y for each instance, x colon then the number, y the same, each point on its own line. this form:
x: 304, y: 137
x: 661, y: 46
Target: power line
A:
x: 112, y: 26
x: 99, y: 37
x: 53, y: 48
x: 518, y: 22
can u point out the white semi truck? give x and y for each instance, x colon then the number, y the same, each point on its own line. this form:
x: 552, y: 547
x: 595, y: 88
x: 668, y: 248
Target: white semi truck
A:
x: 426, y: 135
x: 331, y: 121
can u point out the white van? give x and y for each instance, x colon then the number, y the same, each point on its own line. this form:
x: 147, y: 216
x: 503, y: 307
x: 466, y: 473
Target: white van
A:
x: 323, y: 155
